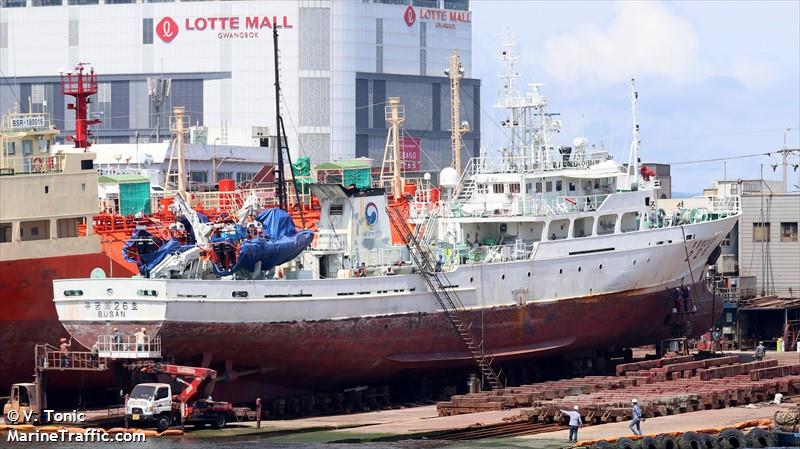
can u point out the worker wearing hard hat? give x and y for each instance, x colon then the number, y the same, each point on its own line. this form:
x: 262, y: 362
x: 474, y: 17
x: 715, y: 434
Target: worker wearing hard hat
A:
x: 636, y: 412
x: 574, y: 423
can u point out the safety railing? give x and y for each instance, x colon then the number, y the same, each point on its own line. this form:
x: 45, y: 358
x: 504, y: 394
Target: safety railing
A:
x: 32, y: 164
x: 129, y: 347
x: 380, y: 257
x: 49, y: 357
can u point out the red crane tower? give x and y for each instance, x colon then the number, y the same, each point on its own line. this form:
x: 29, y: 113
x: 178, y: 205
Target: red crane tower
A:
x: 81, y: 85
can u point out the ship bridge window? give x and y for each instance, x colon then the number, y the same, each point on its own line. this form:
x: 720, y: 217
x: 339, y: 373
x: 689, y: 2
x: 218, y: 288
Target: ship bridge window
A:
x: 572, y: 187
x: 483, y: 189
x: 10, y: 148
x: 583, y: 227
x: 336, y: 209
x: 538, y: 187
x: 559, y: 186
x: 73, y: 292
x: 558, y: 230
x: 630, y: 222
x: 513, y: 188
x: 549, y: 186
x: 34, y: 230
x: 499, y: 188
x: 606, y: 224
x: 5, y: 232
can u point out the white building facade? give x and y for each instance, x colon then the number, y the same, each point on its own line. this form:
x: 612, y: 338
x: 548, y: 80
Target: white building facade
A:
x: 339, y: 61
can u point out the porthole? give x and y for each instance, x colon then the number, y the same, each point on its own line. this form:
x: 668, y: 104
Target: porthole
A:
x: 601, y: 266
x: 634, y: 261
x: 503, y: 276
x: 560, y: 271
x: 529, y: 274
x: 648, y: 260
x: 239, y: 294
x: 470, y: 280
x: 579, y: 269
x: 109, y: 291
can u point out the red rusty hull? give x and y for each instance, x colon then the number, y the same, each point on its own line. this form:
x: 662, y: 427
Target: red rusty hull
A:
x: 329, y: 353
x: 27, y: 314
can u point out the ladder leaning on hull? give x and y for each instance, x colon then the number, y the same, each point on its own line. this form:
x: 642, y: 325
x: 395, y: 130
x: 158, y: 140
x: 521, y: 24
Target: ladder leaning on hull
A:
x: 447, y: 298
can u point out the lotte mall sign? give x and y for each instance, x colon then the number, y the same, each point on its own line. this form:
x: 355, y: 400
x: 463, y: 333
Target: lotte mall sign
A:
x: 225, y: 27
x: 440, y: 17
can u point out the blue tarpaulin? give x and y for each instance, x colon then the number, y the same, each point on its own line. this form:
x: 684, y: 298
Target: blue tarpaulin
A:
x: 148, y: 260
x: 270, y: 252
x: 280, y: 243
x: 277, y: 223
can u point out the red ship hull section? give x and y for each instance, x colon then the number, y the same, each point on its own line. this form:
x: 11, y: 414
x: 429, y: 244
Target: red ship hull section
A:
x: 27, y: 314
x: 331, y: 353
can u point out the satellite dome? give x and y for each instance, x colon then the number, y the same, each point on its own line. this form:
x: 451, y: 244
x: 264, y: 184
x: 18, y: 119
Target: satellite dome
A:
x: 426, y: 176
x: 448, y: 177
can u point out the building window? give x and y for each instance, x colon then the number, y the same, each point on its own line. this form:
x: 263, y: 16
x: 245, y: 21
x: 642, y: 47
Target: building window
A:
x: 73, y: 31
x: 379, y: 45
x: 244, y: 176
x: 84, y: 2
x: 423, y: 48
x: 761, y: 232
x: 10, y: 148
x: 788, y: 232
x: 147, y: 31
x: 46, y: 3
x: 13, y: 3
x: 198, y: 176
x: 3, y: 35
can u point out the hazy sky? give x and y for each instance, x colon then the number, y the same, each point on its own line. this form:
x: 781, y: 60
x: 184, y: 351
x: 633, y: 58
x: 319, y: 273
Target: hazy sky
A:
x: 715, y: 78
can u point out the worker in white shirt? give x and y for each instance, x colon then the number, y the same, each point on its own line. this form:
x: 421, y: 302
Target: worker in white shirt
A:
x: 574, y: 423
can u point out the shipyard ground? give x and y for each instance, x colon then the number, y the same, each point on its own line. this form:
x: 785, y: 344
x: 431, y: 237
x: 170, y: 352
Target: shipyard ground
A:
x: 423, y: 422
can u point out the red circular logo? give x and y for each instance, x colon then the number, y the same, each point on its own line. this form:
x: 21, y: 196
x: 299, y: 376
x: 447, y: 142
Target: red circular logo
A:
x: 167, y: 29
x: 410, y: 16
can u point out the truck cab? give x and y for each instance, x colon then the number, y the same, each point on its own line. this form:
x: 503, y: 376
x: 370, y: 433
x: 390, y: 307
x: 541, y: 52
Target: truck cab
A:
x: 24, y: 401
x: 150, y: 404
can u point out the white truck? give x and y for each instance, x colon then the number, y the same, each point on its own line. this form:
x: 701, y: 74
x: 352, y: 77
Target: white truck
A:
x: 156, y: 404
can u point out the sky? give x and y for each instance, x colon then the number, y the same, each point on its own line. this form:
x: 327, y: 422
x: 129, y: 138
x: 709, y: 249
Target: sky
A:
x: 715, y: 79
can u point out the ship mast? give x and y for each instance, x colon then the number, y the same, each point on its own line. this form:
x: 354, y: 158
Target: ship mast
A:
x: 633, y: 157
x: 457, y: 129
x: 395, y: 114
x: 81, y: 86
x: 178, y: 127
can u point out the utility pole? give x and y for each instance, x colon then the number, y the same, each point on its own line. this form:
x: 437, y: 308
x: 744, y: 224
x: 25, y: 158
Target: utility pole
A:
x: 395, y: 114
x: 785, y: 152
x: 457, y: 129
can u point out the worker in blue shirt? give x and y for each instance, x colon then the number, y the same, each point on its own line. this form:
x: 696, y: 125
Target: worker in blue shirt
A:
x: 636, y: 412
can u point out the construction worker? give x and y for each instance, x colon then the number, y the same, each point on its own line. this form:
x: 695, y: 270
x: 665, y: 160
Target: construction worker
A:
x: 64, y: 349
x: 761, y: 351
x: 117, y: 339
x: 140, y: 338
x: 636, y: 412
x: 439, y: 263
x: 95, y: 354
x: 575, y: 422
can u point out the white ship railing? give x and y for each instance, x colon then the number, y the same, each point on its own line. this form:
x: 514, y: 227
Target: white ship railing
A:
x: 380, y: 257
x: 522, y: 164
x: 729, y: 204
x: 126, y: 347
x: 479, y: 254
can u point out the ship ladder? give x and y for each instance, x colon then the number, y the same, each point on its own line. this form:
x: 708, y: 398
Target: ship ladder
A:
x: 447, y: 299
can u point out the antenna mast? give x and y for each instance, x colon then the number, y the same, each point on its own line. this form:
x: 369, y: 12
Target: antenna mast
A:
x: 282, y: 143
x: 633, y: 158
x: 81, y: 86
x: 395, y: 115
